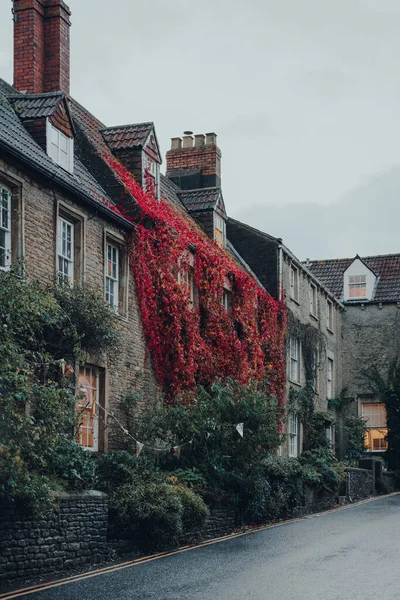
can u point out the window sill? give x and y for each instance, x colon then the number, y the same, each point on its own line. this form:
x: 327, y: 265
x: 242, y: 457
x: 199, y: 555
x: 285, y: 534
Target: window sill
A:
x: 314, y: 316
x: 295, y: 301
x: 330, y: 330
x: 296, y: 383
x: 121, y: 317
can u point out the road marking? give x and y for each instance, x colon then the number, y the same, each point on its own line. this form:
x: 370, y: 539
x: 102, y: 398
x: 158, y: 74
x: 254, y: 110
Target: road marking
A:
x: 146, y: 559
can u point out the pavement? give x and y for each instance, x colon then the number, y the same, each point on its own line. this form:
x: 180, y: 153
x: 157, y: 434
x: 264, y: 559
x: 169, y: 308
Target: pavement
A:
x: 347, y: 554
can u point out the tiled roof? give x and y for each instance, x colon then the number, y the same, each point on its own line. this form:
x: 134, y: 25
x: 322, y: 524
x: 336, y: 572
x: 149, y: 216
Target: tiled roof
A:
x: 201, y: 199
x: 36, y: 106
x: 16, y: 140
x: 386, y: 268
x: 169, y: 191
x: 127, y: 136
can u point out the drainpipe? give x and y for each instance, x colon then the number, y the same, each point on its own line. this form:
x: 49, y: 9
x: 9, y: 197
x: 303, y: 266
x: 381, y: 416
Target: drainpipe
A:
x: 280, y: 270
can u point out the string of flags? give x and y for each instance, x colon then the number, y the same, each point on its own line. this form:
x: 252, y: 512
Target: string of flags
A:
x: 90, y: 404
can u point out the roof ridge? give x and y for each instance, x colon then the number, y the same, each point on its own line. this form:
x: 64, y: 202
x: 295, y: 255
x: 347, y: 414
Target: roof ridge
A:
x: 255, y: 229
x: 126, y: 126
x: 21, y: 95
x: 197, y: 190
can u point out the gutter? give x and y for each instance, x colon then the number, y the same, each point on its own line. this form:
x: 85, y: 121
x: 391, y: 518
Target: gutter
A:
x: 80, y: 194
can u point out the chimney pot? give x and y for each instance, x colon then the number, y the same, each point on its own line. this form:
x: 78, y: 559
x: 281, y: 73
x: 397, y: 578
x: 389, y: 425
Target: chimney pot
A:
x: 211, y: 139
x: 176, y: 143
x: 188, y: 141
x: 199, y: 140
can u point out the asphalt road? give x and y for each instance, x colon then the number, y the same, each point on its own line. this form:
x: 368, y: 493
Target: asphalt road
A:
x: 351, y: 554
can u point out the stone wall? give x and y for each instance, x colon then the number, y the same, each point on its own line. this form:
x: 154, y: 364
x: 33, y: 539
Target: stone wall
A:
x: 359, y: 483
x: 73, y: 534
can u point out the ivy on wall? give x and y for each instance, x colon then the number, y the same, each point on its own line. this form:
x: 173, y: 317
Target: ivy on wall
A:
x: 191, y: 346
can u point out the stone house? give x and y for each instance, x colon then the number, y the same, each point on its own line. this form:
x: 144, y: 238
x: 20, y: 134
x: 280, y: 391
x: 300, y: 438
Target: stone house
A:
x: 59, y: 196
x: 314, y: 339
x: 369, y: 289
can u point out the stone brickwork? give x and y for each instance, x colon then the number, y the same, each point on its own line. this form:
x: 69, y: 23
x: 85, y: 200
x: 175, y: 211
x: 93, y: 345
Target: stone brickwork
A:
x: 129, y: 369
x: 73, y: 534
x: 359, y: 483
x: 371, y: 336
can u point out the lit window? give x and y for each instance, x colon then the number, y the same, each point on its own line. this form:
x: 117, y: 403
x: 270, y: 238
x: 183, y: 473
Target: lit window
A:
x: 65, y: 235
x: 219, y: 231
x: 293, y: 435
x: 5, y: 228
x: 313, y: 300
x: 329, y: 315
x: 330, y: 378
x: 112, y: 276
x: 88, y: 408
x: 375, y: 416
x: 294, y: 283
x: 294, y: 360
x: 60, y: 147
x: 357, y: 286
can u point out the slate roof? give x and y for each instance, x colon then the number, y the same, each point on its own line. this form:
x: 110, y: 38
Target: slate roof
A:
x: 15, y: 139
x: 201, y: 199
x: 36, y: 106
x: 386, y: 268
x: 169, y: 191
x: 127, y: 136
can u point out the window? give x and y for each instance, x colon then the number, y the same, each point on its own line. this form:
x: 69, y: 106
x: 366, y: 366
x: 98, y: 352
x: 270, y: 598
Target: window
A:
x: 293, y: 435
x: 313, y: 300
x: 227, y: 301
x: 88, y: 408
x: 330, y: 378
x: 65, y: 235
x: 357, y: 286
x: 152, y: 168
x: 112, y: 276
x: 316, y: 370
x: 330, y: 434
x: 329, y: 315
x: 294, y: 283
x: 5, y: 228
x: 219, y: 230
x: 375, y: 416
x: 60, y: 147
x: 294, y: 360
x: 185, y: 277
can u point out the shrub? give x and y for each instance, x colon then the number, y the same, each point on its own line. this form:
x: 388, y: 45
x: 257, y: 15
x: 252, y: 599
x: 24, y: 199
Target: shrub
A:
x: 72, y: 464
x: 151, y: 512
x: 195, y: 512
x: 120, y: 468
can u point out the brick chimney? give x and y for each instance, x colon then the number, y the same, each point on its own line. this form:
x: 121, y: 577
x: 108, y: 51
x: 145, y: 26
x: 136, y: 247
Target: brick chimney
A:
x: 41, y: 46
x: 194, y: 161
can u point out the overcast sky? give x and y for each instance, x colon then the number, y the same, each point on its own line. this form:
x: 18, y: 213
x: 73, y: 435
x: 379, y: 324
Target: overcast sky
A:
x: 303, y: 94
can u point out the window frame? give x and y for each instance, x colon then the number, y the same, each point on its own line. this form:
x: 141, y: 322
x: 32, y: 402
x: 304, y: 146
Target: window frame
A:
x: 329, y: 315
x: 330, y: 377
x: 219, y: 230
x: 357, y: 285
x: 293, y: 434
x: 51, y: 130
x: 294, y: 359
x: 313, y: 300
x: 112, y: 279
x: 63, y: 277
x: 8, y: 227
x: 78, y: 219
x: 99, y: 428
x: 294, y: 283
x: 374, y: 428
x: 118, y: 241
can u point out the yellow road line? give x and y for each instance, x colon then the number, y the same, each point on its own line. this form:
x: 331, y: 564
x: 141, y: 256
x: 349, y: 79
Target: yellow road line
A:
x: 146, y: 559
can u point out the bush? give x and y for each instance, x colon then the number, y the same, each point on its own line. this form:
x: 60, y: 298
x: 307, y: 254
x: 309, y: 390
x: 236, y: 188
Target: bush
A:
x: 195, y: 512
x: 72, y: 464
x: 151, y: 512
x: 120, y: 468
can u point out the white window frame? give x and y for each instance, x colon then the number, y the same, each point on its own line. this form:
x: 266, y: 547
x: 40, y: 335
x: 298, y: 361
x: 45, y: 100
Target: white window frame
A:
x: 153, y: 168
x: 357, y: 282
x: 330, y: 434
x: 93, y: 402
x: 329, y: 315
x: 373, y: 426
x: 112, y: 275
x: 219, y: 225
x: 293, y: 432
x: 294, y: 283
x: 55, y: 151
x: 70, y: 260
x: 5, y: 226
x: 185, y: 277
x: 294, y: 362
x: 313, y: 300
x: 329, y: 377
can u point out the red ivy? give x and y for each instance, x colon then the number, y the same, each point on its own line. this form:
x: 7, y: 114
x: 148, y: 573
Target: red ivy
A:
x: 197, y: 346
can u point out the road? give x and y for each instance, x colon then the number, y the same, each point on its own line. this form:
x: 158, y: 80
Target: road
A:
x: 350, y: 554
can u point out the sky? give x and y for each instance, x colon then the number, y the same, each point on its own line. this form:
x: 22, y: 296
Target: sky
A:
x: 303, y: 94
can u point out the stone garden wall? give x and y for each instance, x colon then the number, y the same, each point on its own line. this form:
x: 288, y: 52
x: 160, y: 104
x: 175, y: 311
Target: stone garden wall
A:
x: 73, y: 534
x: 359, y: 483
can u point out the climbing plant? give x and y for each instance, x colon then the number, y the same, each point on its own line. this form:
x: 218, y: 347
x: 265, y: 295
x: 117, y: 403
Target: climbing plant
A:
x: 189, y: 345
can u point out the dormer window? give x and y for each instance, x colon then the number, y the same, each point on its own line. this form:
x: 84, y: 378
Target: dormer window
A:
x: 219, y: 230
x: 357, y: 286
x: 152, y: 169
x: 60, y: 147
